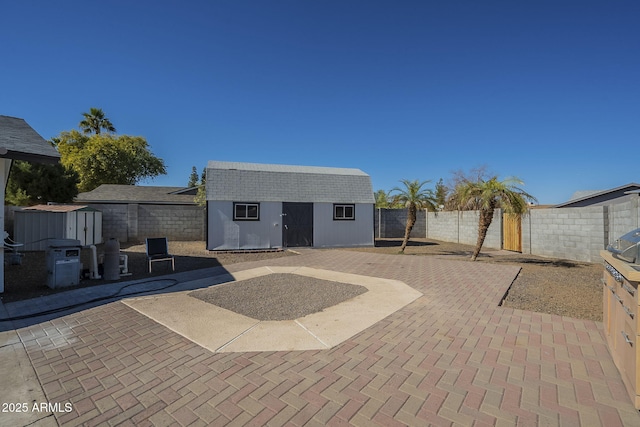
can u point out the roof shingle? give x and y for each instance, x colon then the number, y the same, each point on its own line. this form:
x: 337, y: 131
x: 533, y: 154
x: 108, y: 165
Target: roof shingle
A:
x: 116, y: 193
x: 234, y: 181
x: 21, y: 142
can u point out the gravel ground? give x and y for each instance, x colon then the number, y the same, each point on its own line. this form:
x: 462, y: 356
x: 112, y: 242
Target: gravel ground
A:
x: 554, y: 286
x: 278, y: 296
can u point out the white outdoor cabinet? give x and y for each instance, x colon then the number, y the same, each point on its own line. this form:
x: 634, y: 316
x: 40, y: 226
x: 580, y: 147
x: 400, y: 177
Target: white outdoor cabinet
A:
x: 35, y: 225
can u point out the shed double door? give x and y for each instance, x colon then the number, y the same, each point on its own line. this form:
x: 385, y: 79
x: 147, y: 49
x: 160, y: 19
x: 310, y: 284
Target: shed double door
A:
x: 297, y: 224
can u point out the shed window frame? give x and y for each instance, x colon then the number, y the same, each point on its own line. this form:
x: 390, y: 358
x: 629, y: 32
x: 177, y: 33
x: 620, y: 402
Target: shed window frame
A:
x: 248, y: 212
x: 340, y: 212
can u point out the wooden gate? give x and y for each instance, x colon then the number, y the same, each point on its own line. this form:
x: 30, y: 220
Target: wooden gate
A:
x: 511, y: 232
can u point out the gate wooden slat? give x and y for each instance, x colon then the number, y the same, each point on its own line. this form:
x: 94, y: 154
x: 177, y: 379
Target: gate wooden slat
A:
x: 511, y: 232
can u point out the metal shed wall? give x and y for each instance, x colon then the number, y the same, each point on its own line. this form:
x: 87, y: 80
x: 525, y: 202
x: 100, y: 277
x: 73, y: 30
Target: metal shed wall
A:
x: 226, y: 234
x: 34, y: 228
x: 330, y: 233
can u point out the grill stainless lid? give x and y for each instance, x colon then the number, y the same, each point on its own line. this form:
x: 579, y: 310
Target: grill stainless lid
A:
x: 627, y: 247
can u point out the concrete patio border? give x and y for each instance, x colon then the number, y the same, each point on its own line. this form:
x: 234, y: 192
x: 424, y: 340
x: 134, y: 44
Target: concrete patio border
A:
x: 221, y: 330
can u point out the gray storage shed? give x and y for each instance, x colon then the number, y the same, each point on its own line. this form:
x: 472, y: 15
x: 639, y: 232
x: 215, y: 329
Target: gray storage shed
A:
x: 261, y: 206
x: 36, y: 225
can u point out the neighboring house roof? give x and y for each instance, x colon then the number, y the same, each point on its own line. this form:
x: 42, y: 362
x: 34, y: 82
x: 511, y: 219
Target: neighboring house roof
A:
x: 583, y: 194
x: 58, y: 208
x: 594, y: 198
x: 246, y: 182
x: 192, y: 191
x: 18, y: 141
x: 116, y: 193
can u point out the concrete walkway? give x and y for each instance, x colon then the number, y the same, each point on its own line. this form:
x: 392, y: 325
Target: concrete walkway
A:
x: 451, y: 357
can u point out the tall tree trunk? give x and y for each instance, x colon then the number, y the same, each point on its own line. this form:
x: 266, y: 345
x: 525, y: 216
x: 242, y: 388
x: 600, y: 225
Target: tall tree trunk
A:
x: 411, y: 220
x: 486, y: 216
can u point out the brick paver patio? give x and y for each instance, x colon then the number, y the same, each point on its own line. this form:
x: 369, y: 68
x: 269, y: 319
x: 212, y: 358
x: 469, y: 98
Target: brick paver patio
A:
x: 452, y: 357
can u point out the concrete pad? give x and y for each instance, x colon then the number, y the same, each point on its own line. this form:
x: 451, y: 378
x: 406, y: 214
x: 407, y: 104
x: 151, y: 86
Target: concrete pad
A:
x: 205, y: 324
x: 281, y: 335
x: 221, y: 330
x: 20, y: 385
x: 360, y: 312
x: 250, y: 274
x: 284, y: 270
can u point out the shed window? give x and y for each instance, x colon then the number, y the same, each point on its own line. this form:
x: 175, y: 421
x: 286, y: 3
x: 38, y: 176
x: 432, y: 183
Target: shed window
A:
x: 246, y: 211
x: 344, y: 212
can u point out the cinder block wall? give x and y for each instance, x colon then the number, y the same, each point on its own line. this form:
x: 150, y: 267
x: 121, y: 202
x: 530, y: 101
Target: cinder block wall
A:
x: 134, y: 222
x: 622, y: 218
x: 114, y: 221
x: 469, y: 229
x: 171, y: 221
x: 391, y: 223
x: 462, y: 227
x: 451, y: 226
x: 444, y: 226
x: 570, y: 233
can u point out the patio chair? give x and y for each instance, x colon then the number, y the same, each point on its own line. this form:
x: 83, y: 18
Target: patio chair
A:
x: 158, y: 250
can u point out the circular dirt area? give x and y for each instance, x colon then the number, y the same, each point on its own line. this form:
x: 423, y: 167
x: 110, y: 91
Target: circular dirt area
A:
x: 278, y: 296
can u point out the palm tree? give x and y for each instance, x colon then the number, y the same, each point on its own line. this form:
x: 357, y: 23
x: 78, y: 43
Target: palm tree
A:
x: 486, y: 196
x: 94, y: 121
x: 413, y: 197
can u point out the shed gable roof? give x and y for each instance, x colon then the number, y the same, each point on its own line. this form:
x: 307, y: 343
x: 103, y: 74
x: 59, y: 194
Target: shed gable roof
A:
x: 234, y: 181
x: 57, y: 208
x: 21, y: 142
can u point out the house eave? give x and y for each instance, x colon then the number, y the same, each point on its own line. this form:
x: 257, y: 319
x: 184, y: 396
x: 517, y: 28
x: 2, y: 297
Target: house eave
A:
x: 30, y: 157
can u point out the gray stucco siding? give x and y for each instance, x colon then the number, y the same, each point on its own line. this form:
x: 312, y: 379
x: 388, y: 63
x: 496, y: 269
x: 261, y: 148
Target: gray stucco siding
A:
x: 226, y: 234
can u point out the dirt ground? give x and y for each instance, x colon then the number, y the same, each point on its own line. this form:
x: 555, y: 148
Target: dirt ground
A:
x: 554, y: 286
x: 29, y: 280
x: 545, y: 285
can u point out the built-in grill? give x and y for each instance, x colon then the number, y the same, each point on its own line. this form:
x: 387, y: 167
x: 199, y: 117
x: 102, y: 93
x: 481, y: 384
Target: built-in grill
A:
x: 621, y: 308
x: 627, y: 247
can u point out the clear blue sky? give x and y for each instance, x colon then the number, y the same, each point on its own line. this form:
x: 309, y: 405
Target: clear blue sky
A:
x: 548, y: 91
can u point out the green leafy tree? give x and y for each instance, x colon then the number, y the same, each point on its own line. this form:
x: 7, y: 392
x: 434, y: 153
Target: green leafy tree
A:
x: 441, y: 194
x: 201, y: 195
x: 34, y: 183
x: 108, y: 159
x: 413, y: 196
x: 95, y: 121
x: 486, y: 195
x: 382, y: 199
x: 193, y: 178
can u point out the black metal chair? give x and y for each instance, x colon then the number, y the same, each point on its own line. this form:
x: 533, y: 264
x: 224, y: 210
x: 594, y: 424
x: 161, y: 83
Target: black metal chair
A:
x: 158, y: 250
